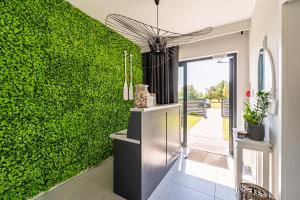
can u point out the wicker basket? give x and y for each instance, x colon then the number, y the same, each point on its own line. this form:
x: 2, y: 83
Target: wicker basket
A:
x: 248, y: 191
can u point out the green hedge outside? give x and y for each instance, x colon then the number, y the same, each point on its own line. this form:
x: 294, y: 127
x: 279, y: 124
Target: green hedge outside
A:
x: 61, y: 79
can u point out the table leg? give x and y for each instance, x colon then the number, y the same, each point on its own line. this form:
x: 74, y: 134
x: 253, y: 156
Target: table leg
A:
x: 238, y: 165
x: 266, y: 169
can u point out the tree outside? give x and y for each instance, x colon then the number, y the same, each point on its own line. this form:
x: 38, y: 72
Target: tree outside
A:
x: 192, y: 93
x: 219, y: 91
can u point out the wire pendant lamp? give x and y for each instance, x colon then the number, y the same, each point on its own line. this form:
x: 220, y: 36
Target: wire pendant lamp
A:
x: 149, y: 38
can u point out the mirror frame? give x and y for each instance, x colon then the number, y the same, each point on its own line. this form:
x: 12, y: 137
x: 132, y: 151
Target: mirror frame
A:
x: 272, y: 96
x: 267, y: 50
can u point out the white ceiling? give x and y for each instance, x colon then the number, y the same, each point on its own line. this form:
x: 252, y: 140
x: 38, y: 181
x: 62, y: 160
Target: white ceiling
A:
x: 182, y: 16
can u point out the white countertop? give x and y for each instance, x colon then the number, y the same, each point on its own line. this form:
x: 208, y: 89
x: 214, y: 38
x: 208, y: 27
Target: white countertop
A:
x: 159, y: 107
x: 122, y: 135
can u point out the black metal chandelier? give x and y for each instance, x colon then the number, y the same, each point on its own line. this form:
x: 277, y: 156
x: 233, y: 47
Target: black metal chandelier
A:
x: 149, y: 38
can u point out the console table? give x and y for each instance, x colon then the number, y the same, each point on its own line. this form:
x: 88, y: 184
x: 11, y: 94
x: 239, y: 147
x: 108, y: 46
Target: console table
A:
x: 261, y: 146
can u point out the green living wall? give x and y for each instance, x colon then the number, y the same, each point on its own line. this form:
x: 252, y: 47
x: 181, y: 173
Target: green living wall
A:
x: 61, y: 80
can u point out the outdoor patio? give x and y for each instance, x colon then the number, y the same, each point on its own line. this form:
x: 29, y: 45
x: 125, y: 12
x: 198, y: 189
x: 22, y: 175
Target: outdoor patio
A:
x: 208, y: 134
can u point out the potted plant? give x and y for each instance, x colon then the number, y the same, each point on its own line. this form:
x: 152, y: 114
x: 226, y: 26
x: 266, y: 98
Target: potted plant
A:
x: 254, y: 117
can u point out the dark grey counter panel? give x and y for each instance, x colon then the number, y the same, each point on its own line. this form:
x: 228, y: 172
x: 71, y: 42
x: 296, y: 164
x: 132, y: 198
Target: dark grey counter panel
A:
x: 127, y: 169
x: 153, y: 141
x: 138, y: 168
x: 173, y: 136
x: 135, y: 126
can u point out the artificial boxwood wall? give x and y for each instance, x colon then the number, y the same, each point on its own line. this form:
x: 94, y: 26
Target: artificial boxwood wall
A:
x: 61, y: 85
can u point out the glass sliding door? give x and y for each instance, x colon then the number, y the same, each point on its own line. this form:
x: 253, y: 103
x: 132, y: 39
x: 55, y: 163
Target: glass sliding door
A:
x: 204, y: 91
x: 181, y: 97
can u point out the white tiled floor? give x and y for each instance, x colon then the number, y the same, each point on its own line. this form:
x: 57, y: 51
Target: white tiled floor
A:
x: 193, y: 180
x: 186, y: 180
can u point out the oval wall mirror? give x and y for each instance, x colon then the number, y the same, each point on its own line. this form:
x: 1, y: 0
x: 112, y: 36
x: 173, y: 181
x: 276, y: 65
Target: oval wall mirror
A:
x: 265, y: 81
x: 266, y: 74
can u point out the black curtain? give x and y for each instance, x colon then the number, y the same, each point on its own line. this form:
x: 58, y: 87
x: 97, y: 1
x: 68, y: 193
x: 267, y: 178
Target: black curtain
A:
x: 160, y: 72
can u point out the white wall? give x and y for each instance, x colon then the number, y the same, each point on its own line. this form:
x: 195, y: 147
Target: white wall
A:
x: 226, y: 29
x: 232, y: 43
x: 290, y: 101
x: 266, y: 21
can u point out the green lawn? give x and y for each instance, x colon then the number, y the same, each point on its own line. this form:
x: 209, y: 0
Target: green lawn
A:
x: 215, y: 104
x: 192, y: 120
x: 226, y: 128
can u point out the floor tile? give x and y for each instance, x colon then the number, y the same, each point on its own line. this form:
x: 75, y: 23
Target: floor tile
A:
x: 91, y: 191
x: 102, y: 174
x: 178, y: 192
x: 113, y: 196
x: 199, y: 170
x: 159, y: 189
x: 78, y: 189
x: 226, y: 180
x: 187, y: 179
x: 226, y: 172
x: 173, y: 169
x: 195, y: 183
x: 230, y: 167
x: 165, y: 181
x: 225, y: 193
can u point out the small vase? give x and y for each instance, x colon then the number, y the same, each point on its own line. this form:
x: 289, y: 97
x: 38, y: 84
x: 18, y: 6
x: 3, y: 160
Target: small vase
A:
x: 256, y: 132
x: 152, y: 100
x: 141, y: 96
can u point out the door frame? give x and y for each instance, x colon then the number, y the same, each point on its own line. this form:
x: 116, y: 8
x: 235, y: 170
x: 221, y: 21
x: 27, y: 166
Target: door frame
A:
x: 232, y: 95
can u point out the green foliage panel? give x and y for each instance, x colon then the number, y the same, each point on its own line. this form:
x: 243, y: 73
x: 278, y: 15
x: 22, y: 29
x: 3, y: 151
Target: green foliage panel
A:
x: 61, y: 80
